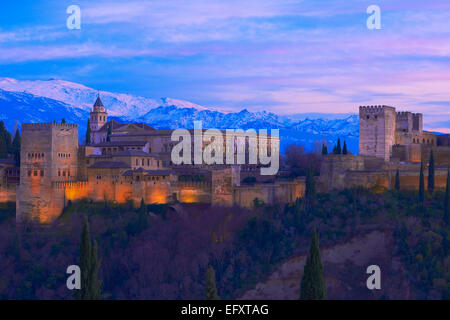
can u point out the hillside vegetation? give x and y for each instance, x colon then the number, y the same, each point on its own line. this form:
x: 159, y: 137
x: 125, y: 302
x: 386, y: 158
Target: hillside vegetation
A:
x: 156, y: 252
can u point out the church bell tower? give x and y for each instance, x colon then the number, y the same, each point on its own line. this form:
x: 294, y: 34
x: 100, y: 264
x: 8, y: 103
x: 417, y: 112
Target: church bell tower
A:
x: 99, y: 116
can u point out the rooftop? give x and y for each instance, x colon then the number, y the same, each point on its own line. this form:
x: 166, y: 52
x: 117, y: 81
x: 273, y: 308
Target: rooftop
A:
x: 110, y: 164
x: 149, y: 172
x: 98, y: 102
x: 120, y: 143
x: 135, y: 153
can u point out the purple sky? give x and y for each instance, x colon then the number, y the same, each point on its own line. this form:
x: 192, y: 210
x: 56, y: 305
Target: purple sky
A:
x: 282, y: 56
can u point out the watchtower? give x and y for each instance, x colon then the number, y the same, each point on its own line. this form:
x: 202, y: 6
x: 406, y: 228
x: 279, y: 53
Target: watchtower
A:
x: 377, y: 125
x: 49, y: 153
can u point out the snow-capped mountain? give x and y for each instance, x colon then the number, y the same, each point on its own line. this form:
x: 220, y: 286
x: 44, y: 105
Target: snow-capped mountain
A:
x: 77, y: 95
x: 52, y: 100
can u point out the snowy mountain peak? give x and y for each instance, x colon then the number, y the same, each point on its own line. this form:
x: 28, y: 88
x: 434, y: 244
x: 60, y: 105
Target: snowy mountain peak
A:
x: 51, y: 100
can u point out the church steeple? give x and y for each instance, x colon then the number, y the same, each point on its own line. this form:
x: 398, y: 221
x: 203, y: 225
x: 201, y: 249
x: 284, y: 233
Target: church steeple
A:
x: 98, y: 115
x: 98, y: 105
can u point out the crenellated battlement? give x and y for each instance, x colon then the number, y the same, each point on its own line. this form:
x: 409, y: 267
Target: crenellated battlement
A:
x: 69, y: 184
x: 372, y: 109
x: 48, y: 125
x: 403, y: 115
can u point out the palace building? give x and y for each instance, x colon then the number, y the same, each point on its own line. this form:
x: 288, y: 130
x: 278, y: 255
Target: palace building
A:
x: 121, y: 163
x: 131, y: 162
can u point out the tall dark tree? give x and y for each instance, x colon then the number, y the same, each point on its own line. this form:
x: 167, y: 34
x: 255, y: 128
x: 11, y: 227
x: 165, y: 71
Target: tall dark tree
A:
x: 447, y: 200
x: 313, y: 284
x: 3, y: 148
x: 88, y: 133
x: 344, y: 149
x: 431, y: 172
x: 324, y: 149
x: 211, y: 289
x: 16, y: 147
x: 6, y: 137
x: 338, y: 148
x: 421, y: 186
x: 143, y: 216
x: 89, y: 266
x: 63, y: 120
x: 108, y: 137
x: 397, y: 180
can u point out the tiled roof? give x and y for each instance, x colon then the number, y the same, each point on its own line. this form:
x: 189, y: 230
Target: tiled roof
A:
x: 121, y: 143
x: 134, y: 153
x: 98, y: 102
x: 149, y: 172
x: 7, y: 161
x: 110, y: 164
x: 117, y: 127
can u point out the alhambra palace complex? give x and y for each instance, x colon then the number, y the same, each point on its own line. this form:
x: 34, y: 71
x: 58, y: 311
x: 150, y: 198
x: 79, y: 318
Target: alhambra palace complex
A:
x: 130, y: 162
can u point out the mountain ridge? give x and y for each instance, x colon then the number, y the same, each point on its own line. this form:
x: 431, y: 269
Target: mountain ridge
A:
x: 52, y: 100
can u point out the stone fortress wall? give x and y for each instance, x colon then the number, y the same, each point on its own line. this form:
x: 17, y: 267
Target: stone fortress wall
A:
x: 388, y: 141
x: 131, y: 162
x: 122, y: 163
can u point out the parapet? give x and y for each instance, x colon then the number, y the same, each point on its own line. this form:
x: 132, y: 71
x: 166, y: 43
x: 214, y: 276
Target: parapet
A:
x: 48, y: 125
x: 403, y: 115
x: 374, y: 109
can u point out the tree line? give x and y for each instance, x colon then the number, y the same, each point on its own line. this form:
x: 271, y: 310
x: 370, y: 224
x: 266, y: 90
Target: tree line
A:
x: 9, y: 145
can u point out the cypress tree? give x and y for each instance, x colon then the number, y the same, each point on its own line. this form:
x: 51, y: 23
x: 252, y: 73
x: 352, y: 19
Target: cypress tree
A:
x: 211, y: 289
x: 16, y: 147
x: 447, y: 200
x: 88, y: 133
x: 344, y: 149
x: 313, y: 284
x: 142, y: 216
x: 3, y: 148
x: 431, y: 172
x: 89, y: 265
x: 421, y: 186
x: 94, y: 292
x: 324, y: 149
x: 63, y: 121
x: 397, y: 180
x: 6, y: 136
x: 108, y: 137
x: 334, y: 149
x: 338, y: 147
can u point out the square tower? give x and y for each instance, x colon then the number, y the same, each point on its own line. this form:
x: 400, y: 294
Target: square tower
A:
x: 49, y: 153
x: 377, y: 126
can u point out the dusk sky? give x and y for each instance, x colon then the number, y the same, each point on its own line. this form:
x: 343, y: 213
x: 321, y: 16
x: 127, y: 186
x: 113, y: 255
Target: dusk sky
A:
x: 283, y: 56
